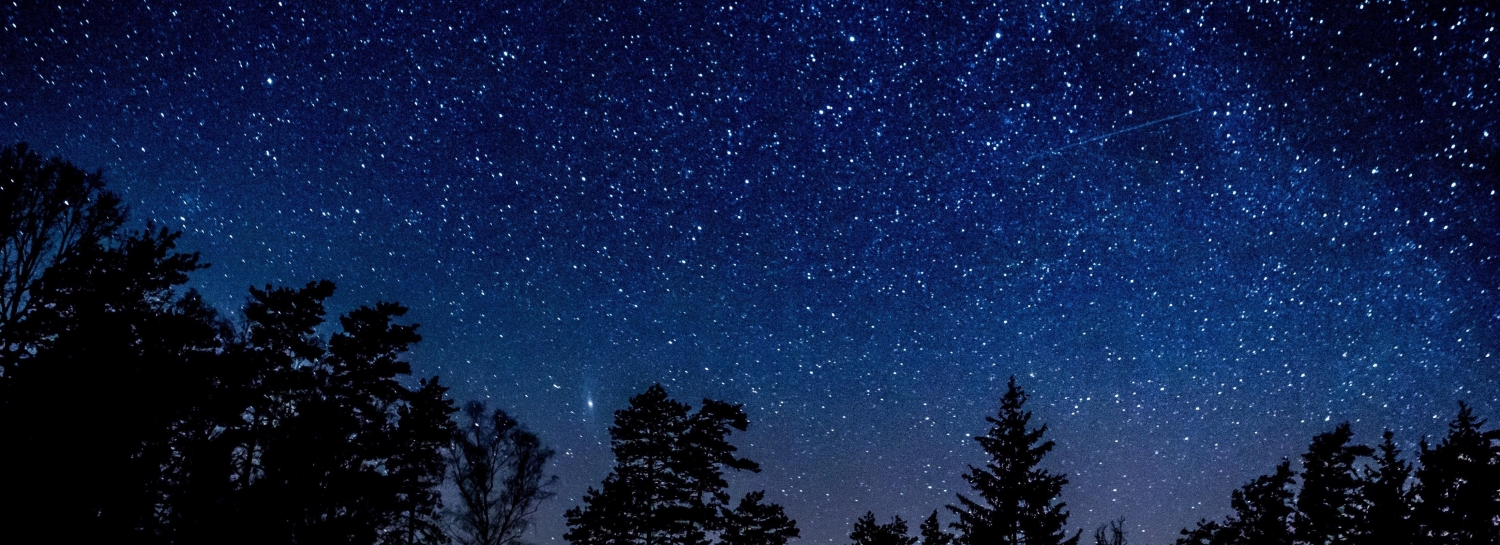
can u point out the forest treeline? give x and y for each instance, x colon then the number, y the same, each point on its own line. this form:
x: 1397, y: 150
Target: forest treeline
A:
x: 132, y: 412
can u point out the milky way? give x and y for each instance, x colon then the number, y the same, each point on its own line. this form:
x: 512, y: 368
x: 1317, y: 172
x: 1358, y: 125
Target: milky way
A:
x: 1198, y: 233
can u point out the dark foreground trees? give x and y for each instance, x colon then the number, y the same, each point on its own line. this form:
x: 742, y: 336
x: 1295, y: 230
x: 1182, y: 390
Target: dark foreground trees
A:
x: 1344, y: 494
x: 314, y: 442
x: 868, y: 532
x: 1458, y: 485
x: 130, y: 412
x: 1353, y: 494
x: 91, y: 337
x: 1328, y: 506
x: 668, y: 484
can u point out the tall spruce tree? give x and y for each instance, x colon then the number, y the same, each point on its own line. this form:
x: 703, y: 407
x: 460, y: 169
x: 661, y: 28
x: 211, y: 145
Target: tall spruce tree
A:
x: 868, y: 532
x: 1330, y: 506
x: 668, y: 484
x: 1458, y: 484
x: 1388, y: 499
x: 1017, y: 500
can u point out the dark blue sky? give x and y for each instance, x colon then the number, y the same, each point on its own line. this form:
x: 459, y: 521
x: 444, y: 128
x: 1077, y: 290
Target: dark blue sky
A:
x: 1198, y: 233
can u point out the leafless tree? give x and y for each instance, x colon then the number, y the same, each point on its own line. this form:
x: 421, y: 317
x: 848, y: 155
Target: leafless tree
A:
x: 500, y: 468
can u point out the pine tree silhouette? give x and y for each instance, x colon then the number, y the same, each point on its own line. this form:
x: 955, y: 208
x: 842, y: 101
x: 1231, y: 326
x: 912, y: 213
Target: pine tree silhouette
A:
x: 932, y: 532
x: 1388, y: 498
x: 313, y: 441
x: 417, y: 463
x: 668, y: 484
x: 1263, y: 509
x: 1458, y: 484
x: 1330, y: 506
x: 755, y: 523
x: 1017, y: 501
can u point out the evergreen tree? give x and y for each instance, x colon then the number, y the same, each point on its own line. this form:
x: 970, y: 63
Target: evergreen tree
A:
x: 500, y: 469
x: 419, y: 468
x: 1263, y: 509
x: 1458, y: 484
x: 1388, y: 499
x: 755, y: 523
x: 1330, y: 506
x: 316, y: 442
x: 932, y: 532
x: 668, y: 484
x: 1017, y: 503
x: 868, y: 532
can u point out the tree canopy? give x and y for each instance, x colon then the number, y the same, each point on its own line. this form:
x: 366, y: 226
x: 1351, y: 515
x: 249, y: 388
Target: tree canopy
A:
x: 668, y: 484
x: 132, y: 412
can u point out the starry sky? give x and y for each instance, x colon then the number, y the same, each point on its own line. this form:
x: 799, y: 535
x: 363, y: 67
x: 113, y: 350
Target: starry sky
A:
x: 1198, y: 232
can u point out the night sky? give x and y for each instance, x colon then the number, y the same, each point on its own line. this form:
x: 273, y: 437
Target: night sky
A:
x: 1198, y: 233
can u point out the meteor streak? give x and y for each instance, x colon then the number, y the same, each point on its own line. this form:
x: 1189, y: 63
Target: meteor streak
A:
x: 1056, y: 151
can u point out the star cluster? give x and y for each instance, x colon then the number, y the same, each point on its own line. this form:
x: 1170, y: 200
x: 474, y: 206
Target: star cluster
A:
x: 1197, y: 232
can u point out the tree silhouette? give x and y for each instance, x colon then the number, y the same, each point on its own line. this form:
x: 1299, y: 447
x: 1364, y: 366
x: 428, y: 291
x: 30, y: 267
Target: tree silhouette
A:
x: 1458, y: 484
x: 333, y: 445
x: 90, y: 310
x: 500, y: 469
x: 755, y: 523
x: 1264, y: 510
x: 668, y: 484
x: 932, y: 532
x: 174, y: 428
x: 1388, y: 498
x: 301, y: 440
x: 868, y: 532
x: 1330, y: 506
x: 1207, y: 532
x: 1110, y: 534
x: 419, y: 466
x: 50, y: 210
x: 1263, y: 513
x: 1020, y: 503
